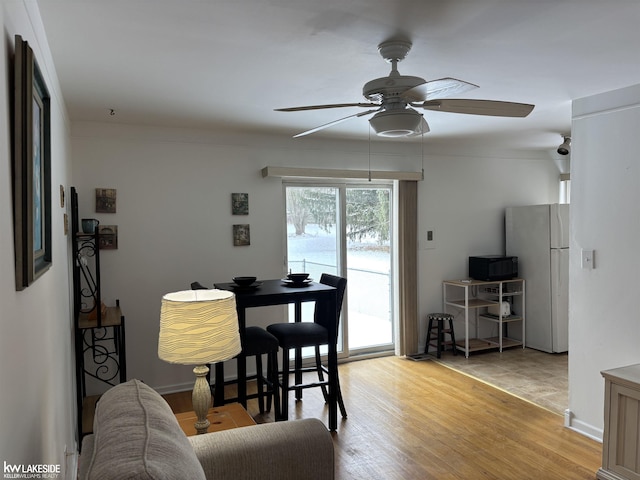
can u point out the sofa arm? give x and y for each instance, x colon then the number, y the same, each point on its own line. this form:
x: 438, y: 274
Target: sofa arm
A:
x: 296, y: 449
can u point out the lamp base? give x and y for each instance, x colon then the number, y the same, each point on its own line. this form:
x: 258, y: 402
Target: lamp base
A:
x: 201, y: 398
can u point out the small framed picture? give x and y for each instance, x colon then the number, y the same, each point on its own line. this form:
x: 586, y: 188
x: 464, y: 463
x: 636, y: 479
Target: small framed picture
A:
x: 105, y: 200
x: 108, y: 237
x: 241, y: 235
x: 240, y: 204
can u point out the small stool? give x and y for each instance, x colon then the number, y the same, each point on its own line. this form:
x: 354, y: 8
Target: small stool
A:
x: 438, y: 336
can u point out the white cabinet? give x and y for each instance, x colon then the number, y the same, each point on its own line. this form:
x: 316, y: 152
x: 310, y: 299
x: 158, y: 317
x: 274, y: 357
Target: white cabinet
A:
x: 481, y: 302
x: 621, y: 440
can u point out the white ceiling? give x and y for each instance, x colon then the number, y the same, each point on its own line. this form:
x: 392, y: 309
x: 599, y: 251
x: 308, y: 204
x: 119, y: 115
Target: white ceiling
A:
x: 226, y: 64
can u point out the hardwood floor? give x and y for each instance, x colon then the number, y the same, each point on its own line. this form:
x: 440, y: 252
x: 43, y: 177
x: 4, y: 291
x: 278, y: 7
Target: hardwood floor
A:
x: 422, y: 420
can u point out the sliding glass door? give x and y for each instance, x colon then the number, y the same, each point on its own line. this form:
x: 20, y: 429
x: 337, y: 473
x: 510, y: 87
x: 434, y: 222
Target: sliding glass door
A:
x: 345, y: 230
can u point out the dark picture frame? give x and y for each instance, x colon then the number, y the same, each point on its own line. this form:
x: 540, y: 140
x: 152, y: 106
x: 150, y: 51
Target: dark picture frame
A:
x: 240, y: 204
x: 106, y: 200
x: 31, y: 168
x: 241, y: 235
x: 108, y: 235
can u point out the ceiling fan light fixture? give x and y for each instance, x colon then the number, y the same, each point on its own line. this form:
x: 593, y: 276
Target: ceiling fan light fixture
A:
x: 565, y: 146
x: 391, y: 99
x: 396, y: 123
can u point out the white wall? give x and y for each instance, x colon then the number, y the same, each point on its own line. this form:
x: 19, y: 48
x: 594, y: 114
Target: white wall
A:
x: 605, y: 194
x: 462, y: 200
x: 174, y: 219
x: 37, y: 399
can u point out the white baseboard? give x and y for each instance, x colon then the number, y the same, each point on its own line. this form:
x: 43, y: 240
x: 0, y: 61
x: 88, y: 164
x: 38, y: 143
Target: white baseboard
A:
x: 71, y: 464
x: 581, y: 427
x: 177, y: 387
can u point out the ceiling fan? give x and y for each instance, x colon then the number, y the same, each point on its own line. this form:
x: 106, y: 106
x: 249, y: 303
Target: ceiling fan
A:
x: 393, y: 99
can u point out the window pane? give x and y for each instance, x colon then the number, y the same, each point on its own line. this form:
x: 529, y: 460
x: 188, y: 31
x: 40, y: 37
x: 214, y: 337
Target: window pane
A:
x: 369, y: 267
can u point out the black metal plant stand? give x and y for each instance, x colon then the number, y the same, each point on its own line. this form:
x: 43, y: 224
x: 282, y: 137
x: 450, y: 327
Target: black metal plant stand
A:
x: 99, y: 330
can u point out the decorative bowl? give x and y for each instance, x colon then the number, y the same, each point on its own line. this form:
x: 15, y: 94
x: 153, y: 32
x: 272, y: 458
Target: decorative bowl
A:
x: 244, y: 281
x: 298, y: 277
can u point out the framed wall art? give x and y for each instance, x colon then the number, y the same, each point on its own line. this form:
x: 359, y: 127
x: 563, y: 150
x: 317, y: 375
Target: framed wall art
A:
x: 31, y: 167
x: 241, y: 235
x: 240, y: 204
x: 108, y: 237
x: 105, y: 200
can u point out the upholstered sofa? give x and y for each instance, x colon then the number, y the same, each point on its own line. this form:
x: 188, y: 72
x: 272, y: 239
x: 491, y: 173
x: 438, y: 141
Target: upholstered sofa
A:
x: 136, y: 436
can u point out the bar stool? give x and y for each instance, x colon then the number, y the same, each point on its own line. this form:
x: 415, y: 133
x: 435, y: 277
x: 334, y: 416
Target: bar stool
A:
x: 295, y: 336
x: 256, y: 342
x: 440, y: 344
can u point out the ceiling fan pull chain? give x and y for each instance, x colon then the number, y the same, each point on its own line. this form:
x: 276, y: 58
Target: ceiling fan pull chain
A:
x: 369, y: 152
x: 422, y: 144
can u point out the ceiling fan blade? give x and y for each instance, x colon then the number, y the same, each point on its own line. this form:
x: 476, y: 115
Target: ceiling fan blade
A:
x: 415, y: 94
x: 445, y: 87
x: 335, y: 122
x: 320, y: 107
x: 479, y: 107
x: 440, y: 88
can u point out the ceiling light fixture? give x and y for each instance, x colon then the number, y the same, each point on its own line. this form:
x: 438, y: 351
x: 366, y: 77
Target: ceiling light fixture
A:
x: 565, y: 146
x: 397, y: 123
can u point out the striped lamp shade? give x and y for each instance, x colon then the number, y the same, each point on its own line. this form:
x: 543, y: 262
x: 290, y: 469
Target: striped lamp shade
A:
x: 198, y: 327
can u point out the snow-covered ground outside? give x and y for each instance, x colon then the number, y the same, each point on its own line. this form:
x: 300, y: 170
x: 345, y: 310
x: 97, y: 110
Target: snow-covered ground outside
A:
x: 369, y: 274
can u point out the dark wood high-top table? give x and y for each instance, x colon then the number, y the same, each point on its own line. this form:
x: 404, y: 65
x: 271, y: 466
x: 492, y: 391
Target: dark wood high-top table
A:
x: 275, y: 292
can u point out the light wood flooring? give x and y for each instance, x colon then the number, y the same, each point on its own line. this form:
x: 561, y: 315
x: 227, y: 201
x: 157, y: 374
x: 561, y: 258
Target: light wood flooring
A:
x: 423, y: 420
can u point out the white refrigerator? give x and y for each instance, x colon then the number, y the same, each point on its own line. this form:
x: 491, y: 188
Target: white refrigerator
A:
x: 539, y: 236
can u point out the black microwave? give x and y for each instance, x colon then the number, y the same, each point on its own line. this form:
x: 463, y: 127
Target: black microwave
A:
x: 493, y: 267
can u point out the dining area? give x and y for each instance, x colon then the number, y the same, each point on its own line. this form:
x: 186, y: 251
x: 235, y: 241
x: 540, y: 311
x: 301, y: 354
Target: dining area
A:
x: 281, y: 344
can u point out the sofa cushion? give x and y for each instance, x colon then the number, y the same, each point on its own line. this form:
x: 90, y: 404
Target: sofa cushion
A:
x: 137, y: 436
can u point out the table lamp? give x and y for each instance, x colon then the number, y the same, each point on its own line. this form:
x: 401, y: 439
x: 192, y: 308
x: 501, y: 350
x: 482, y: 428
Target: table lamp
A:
x: 198, y: 327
